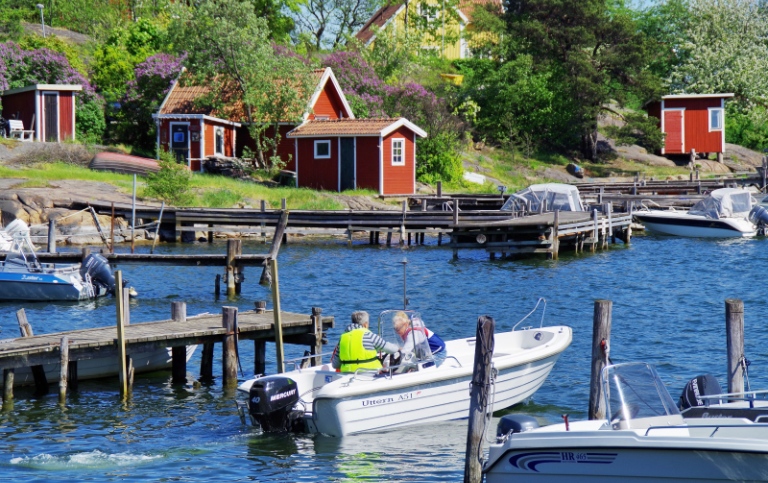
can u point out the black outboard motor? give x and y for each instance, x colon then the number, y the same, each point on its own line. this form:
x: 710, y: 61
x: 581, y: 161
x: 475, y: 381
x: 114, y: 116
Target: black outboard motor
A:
x: 514, y: 423
x: 98, y: 268
x: 270, y: 404
x: 759, y: 216
x: 705, y: 385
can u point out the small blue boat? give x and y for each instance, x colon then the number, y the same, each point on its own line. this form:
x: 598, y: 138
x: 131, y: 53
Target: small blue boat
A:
x: 23, y: 277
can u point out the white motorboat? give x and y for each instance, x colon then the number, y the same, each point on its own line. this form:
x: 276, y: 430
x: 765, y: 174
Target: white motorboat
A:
x: 538, y: 198
x: 645, y: 440
x: 23, y: 277
x: 725, y: 212
x: 321, y: 400
x: 143, y: 362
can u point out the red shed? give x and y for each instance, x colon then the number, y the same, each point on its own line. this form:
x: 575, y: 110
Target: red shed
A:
x: 691, y: 122
x: 48, y: 109
x: 377, y: 154
x: 193, y: 132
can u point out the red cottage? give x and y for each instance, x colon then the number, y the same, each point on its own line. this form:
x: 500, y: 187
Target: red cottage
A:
x: 377, y: 154
x: 47, y: 109
x: 193, y: 132
x: 691, y: 122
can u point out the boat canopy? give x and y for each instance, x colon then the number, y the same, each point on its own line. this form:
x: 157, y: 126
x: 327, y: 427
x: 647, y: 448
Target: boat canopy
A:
x: 545, y: 197
x: 724, y: 203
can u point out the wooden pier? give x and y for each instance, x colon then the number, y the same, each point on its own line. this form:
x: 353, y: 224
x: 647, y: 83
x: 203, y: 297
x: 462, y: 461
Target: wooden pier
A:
x: 543, y: 233
x: 178, y: 332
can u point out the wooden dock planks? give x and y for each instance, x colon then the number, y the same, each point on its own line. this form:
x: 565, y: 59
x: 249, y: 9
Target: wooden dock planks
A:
x: 141, y: 337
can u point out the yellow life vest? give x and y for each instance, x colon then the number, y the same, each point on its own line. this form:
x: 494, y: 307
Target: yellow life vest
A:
x: 353, y: 355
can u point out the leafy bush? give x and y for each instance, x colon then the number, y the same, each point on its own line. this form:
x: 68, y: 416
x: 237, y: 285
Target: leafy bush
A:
x: 748, y: 128
x: 438, y: 158
x: 639, y: 129
x: 172, y: 182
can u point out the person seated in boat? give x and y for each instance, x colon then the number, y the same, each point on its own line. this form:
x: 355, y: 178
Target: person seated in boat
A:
x: 416, y: 336
x: 358, y: 347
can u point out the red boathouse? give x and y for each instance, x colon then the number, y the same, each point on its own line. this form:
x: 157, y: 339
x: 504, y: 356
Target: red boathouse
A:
x: 691, y: 122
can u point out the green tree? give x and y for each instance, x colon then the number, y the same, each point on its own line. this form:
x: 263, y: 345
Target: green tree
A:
x: 171, y: 183
x: 594, y: 54
x: 229, y: 50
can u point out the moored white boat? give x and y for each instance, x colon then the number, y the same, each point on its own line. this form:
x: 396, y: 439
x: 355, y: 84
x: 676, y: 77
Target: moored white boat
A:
x: 725, y: 212
x: 645, y: 440
x: 320, y: 400
x: 538, y: 198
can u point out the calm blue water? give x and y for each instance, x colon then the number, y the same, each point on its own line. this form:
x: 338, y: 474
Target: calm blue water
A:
x: 668, y: 308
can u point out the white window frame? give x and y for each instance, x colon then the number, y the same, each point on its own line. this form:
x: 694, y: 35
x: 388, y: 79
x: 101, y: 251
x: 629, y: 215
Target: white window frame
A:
x: 401, y: 141
x: 326, y: 142
x: 216, y: 131
x: 720, y: 118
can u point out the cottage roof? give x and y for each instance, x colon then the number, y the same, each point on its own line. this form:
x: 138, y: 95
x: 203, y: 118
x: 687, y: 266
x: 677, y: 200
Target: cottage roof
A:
x: 696, y: 96
x: 44, y: 87
x: 353, y: 127
x: 180, y: 100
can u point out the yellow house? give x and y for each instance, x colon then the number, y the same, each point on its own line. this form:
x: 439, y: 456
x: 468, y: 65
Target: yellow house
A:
x: 445, y: 25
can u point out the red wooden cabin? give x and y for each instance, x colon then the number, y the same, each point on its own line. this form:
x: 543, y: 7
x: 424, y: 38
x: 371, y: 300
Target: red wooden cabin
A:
x: 691, y: 122
x: 377, y: 154
x: 47, y: 109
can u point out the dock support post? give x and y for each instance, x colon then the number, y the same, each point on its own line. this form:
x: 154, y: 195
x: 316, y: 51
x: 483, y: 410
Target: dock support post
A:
x: 317, y: 328
x: 112, y: 230
x: 41, y: 382
x: 51, y: 236
x: 263, y: 225
x: 277, y: 241
x: 389, y: 238
x: 439, y: 189
x: 278, y: 324
x: 206, y: 363
x: 179, y: 353
x: 555, y: 246
x: 120, y: 307
x: 8, y: 377
x: 601, y: 343
x: 217, y: 286
x: 229, y: 346
x: 595, y: 231
x: 234, y: 248
x: 402, y: 226
x: 260, y: 345
x: 479, y: 417
x: 63, y: 373
x: 734, y: 328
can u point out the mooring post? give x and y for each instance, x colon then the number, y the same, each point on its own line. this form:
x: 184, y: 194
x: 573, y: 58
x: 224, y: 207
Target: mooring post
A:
x: 601, y: 340
x: 317, y: 327
x: 179, y: 353
x: 41, y: 382
x: 217, y: 286
x: 229, y: 346
x: 157, y: 229
x: 439, y: 189
x: 555, y: 246
x: 479, y: 415
x: 206, y: 363
x: 278, y: 324
x: 734, y: 328
x: 274, y: 250
x: 51, y: 236
x: 260, y: 345
x: 112, y: 230
x: 455, y: 212
x: 263, y: 224
x: 402, y: 226
x: 120, y: 304
x: 595, y: 232
x: 64, y: 370
x: 8, y: 380
x: 234, y: 248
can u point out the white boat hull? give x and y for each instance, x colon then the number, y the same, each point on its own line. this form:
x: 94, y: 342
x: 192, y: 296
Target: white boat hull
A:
x: 680, y: 223
x: 156, y: 360
x: 339, y: 404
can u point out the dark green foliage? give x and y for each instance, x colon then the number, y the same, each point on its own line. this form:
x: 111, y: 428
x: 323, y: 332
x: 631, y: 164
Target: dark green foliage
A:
x: 439, y: 159
x: 171, y: 183
x: 747, y: 128
x: 90, y: 122
x: 638, y: 129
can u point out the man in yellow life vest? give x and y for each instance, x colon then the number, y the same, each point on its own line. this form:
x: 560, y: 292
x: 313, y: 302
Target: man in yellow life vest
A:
x: 358, y: 347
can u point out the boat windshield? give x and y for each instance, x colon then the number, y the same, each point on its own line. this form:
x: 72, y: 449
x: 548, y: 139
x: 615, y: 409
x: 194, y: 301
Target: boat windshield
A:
x: 545, y: 197
x: 724, y: 203
x: 634, y: 391
x: 407, y: 330
x: 21, y: 250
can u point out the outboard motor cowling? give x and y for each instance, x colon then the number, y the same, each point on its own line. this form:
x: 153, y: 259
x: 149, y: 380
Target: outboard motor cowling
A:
x: 759, y: 216
x: 514, y: 423
x: 705, y: 385
x: 98, y: 268
x: 271, y: 401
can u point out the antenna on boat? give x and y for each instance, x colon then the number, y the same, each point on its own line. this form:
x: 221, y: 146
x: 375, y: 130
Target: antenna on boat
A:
x: 405, y: 297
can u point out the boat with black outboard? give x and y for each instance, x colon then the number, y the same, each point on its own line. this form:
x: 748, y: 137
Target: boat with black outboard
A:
x: 24, y: 277
x: 645, y: 439
x: 422, y: 390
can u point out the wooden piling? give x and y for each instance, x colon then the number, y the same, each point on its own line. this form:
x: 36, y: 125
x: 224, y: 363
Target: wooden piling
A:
x: 260, y: 345
x: 734, y: 329
x: 41, y: 382
x: 157, y: 229
x: 112, y: 230
x: 206, y: 363
x: 234, y: 248
x: 120, y: 307
x: 601, y: 339
x: 317, y: 328
x: 555, y: 247
x: 51, y: 236
x: 277, y: 241
x: 479, y: 394
x: 439, y: 189
x: 179, y: 353
x: 279, y: 354
x: 8, y: 381
x: 64, y: 371
x: 217, y: 286
x: 229, y: 346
